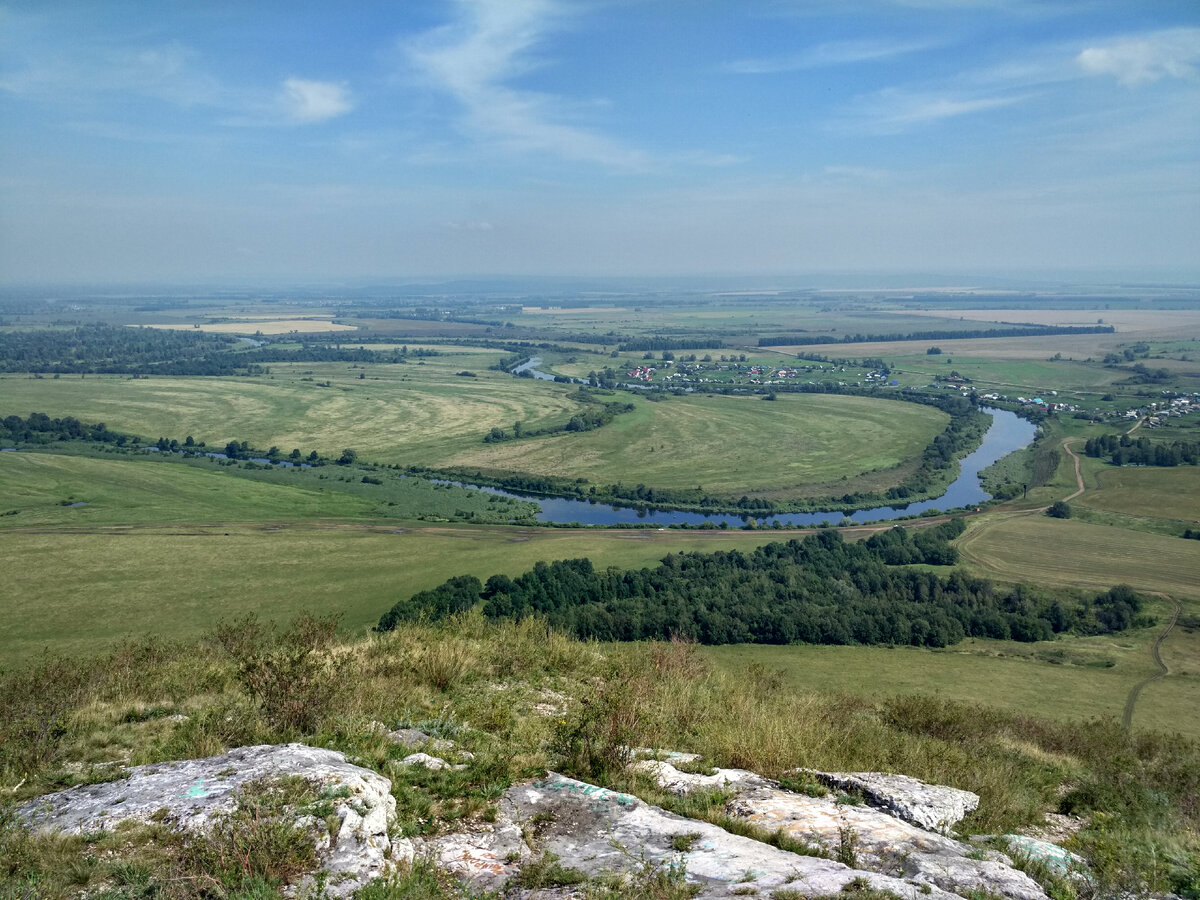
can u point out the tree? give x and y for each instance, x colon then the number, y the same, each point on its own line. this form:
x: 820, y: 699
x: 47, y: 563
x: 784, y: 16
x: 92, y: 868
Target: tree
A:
x: 1059, y: 510
x: 348, y: 457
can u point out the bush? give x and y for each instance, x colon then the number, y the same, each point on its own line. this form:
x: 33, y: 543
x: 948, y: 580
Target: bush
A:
x: 291, y: 674
x: 1059, y: 510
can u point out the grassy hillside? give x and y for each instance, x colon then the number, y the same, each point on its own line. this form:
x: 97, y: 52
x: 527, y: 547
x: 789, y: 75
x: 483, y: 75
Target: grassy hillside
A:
x: 489, y: 687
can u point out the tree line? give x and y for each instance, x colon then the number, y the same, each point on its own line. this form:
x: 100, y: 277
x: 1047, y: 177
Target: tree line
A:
x: 819, y: 590
x: 1122, y: 450
x: 1021, y: 331
x: 116, y: 350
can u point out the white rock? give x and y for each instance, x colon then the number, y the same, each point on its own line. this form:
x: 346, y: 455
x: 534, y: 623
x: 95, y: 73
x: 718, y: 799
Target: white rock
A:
x: 192, y: 794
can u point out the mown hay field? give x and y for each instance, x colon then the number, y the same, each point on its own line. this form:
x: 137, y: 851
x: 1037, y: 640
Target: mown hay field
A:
x: 1170, y: 493
x: 731, y: 445
x: 1035, y: 549
x: 402, y: 413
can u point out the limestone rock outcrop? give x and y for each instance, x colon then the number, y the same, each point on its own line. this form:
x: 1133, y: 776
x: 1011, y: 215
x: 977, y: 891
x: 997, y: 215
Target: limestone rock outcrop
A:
x: 852, y: 831
x: 194, y: 794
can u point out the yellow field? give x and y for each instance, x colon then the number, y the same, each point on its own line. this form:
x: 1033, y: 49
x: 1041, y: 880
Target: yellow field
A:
x: 251, y: 325
x: 1035, y: 549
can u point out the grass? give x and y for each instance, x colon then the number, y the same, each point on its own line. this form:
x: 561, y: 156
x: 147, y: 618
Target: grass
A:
x: 42, y: 489
x: 732, y: 445
x: 1137, y: 797
x: 119, y: 491
x: 1030, y: 548
x: 77, y: 591
x: 1067, y: 680
x: 416, y: 413
x: 1170, y: 493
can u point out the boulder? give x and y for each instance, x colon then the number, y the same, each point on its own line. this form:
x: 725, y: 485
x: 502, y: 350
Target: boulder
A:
x: 931, y: 806
x: 193, y: 794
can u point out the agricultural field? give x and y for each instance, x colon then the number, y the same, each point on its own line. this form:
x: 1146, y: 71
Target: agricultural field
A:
x: 417, y: 413
x: 797, y: 446
x: 1031, y: 548
x: 41, y: 489
x: 265, y: 325
x: 1164, y: 493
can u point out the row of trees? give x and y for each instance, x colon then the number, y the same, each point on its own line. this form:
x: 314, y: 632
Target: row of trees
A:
x: 1123, y: 450
x: 1018, y: 331
x: 112, y: 350
x: 820, y: 590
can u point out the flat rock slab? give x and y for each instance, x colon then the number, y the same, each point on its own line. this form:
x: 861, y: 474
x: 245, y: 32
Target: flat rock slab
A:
x: 871, y: 838
x: 931, y: 806
x: 606, y: 833
x: 194, y: 794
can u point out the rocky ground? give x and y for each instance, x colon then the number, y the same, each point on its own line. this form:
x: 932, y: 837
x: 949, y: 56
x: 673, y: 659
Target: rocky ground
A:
x: 555, y: 836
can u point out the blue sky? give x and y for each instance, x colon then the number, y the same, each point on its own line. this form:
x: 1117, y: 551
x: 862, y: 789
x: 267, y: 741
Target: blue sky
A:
x: 311, y: 140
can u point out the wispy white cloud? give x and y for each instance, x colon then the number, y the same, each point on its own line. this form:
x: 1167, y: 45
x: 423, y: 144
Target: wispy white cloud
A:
x: 897, y: 109
x: 834, y: 53
x: 1134, y: 60
x: 315, y: 101
x: 477, y: 59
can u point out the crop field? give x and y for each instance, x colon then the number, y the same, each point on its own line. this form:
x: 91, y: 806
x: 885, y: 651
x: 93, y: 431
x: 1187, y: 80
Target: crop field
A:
x: 1170, y: 493
x: 1035, y: 549
x: 399, y: 413
x: 731, y: 445
x: 78, y: 591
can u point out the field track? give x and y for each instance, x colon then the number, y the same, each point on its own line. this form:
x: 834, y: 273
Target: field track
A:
x: 1163, y: 671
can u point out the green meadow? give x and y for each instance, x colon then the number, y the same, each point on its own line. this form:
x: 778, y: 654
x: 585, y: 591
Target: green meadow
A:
x: 77, y: 590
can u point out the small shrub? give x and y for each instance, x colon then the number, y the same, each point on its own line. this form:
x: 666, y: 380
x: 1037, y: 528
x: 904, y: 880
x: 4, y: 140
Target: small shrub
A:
x: 290, y: 675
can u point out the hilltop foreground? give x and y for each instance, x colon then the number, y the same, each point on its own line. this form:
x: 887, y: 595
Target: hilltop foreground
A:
x: 524, y: 783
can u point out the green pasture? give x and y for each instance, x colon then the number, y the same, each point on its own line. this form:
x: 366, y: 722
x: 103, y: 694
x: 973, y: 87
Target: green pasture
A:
x: 1159, y: 492
x: 76, y: 591
x: 795, y: 446
x: 415, y: 413
x: 48, y: 489
x: 1068, y: 679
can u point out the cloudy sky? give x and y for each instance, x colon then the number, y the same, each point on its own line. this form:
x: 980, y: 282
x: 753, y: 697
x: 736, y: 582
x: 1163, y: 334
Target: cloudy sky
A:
x: 201, y: 139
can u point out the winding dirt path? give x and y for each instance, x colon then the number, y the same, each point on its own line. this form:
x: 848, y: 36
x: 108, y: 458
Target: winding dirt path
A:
x: 1163, y: 671
x: 1066, y: 445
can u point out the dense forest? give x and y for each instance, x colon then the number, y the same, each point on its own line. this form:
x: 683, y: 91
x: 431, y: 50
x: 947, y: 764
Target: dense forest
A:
x: 1122, y: 450
x: 820, y: 590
